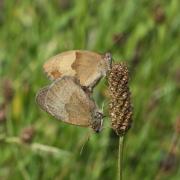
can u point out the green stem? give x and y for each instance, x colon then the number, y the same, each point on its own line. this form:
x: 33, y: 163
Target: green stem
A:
x: 120, y: 157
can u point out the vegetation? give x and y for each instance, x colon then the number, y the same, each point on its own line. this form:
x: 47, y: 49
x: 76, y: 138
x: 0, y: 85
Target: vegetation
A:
x: 145, y: 34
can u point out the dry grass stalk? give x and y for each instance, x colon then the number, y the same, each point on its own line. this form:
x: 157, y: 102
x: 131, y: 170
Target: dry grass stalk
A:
x: 120, y: 106
x: 27, y: 134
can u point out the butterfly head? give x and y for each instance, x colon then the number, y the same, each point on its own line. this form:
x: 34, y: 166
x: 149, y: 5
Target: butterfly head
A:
x: 97, y: 121
x: 108, y: 60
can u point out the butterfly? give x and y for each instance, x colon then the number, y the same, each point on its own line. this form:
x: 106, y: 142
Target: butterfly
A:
x: 86, y: 66
x: 67, y: 101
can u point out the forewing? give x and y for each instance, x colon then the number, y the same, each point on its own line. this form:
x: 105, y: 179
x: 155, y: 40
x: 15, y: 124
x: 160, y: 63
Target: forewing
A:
x: 87, y: 67
x: 60, y: 65
x: 67, y: 101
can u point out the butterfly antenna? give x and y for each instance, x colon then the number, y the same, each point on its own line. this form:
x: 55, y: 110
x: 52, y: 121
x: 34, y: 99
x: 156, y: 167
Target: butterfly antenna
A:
x: 102, y: 109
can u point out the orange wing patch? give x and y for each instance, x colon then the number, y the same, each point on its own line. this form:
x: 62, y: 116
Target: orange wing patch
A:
x: 56, y: 74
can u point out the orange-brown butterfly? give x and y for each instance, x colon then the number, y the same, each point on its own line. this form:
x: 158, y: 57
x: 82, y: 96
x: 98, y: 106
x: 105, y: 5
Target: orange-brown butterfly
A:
x: 67, y: 101
x: 86, y: 66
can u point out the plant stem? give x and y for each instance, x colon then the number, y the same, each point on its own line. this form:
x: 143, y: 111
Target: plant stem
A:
x: 120, y: 157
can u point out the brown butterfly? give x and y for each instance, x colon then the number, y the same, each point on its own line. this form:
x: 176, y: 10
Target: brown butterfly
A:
x: 86, y: 66
x: 67, y: 101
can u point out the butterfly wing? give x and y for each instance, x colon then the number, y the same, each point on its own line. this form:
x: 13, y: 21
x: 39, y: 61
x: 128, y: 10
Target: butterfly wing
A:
x: 86, y: 66
x: 66, y: 101
x: 40, y: 97
x: 60, y: 65
x: 80, y: 109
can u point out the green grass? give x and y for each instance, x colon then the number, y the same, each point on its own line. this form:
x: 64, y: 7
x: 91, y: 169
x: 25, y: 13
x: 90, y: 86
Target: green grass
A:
x: 33, y: 31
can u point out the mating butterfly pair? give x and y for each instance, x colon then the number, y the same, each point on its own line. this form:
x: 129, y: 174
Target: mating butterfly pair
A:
x: 74, y: 74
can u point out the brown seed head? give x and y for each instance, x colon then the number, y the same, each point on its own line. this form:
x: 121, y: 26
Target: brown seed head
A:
x: 120, y: 107
x: 159, y: 14
x: 27, y: 134
x: 8, y: 91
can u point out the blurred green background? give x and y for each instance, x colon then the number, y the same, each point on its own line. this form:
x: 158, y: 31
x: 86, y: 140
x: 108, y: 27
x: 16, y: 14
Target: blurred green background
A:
x: 144, y: 33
